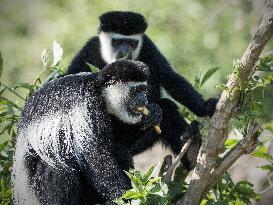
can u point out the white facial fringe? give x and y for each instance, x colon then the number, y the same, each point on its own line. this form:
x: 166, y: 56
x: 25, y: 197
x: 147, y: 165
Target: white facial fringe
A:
x: 106, y: 45
x: 116, y: 97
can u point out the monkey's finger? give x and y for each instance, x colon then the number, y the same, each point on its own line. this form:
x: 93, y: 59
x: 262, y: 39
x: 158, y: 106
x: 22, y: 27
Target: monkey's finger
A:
x: 143, y: 109
x: 157, y: 129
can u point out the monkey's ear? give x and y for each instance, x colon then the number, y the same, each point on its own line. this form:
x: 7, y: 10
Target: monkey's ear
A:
x: 93, y: 68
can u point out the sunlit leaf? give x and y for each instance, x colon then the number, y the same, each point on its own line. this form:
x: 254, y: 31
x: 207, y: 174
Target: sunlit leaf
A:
x: 93, y: 68
x: 149, y: 173
x: 230, y: 143
x: 269, y: 127
x: 57, y: 53
x: 262, y: 152
x: 207, y: 75
x: 131, y: 195
x: 267, y: 167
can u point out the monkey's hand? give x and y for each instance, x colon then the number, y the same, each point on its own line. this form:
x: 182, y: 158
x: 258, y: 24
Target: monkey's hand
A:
x: 210, y: 106
x: 153, y: 118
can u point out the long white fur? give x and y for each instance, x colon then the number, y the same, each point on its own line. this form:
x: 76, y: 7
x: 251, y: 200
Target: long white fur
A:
x: 22, y: 193
x: 106, y: 45
x: 116, y: 96
x: 42, y: 136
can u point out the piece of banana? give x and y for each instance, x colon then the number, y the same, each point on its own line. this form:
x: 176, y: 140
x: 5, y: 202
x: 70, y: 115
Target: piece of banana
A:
x: 145, y: 111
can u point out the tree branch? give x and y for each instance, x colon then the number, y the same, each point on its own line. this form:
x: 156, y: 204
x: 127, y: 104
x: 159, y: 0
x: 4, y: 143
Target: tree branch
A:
x: 245, y: 146
x: 168, y: 177
x: 228, y: 102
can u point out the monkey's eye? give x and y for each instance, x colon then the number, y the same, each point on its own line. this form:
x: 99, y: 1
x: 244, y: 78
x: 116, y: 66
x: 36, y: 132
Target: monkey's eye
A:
x: 133, y: 43
x: 139, y: 89
x: 116, y: 42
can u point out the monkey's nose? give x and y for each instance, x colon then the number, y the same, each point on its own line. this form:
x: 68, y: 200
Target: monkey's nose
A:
x: 124, y: 53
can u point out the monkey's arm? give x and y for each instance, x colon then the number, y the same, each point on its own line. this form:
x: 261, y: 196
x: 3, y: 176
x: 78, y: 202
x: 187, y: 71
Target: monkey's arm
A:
x: 103, y: 171
x: 177, y: 86
x: 90, y: 53
x: 182, y: 91
x: 96, y: 153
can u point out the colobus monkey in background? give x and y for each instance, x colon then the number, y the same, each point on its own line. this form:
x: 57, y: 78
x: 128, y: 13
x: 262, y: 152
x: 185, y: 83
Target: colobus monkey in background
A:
x: 121, y: 34
x: 66, y: 150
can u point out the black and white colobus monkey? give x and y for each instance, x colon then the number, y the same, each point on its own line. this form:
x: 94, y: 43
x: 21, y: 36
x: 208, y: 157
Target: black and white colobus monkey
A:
x: 66, y: 151
x: 121, y: 34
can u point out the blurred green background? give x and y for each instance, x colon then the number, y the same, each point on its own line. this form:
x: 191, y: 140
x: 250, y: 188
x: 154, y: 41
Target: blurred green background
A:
x: 195, y: 35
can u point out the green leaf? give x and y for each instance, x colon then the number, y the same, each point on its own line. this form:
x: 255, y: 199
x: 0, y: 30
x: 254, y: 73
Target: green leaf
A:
x: 266, y: 64
x: 149, y: 173
x: 93, y: 68
x: 2, y: 91
x: 269, y: 127
x: 136, y: 183
x: 267, y: 167
x: 237, y: 202
x: 4, y: 101
x: 246, y: 188
x: 208, y: 74
x: 3, y: 184
x: 262, y: 152
x: 45, y: 58
x: 131, y: 195
x: 230, y: 143
x: 26, y: 86
x: 9, y: 109
x: 1, y: 65
x: 152, y: 181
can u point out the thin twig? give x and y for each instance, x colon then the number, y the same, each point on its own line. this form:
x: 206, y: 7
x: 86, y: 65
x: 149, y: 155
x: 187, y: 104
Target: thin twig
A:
x: 168, y: 177
x: 12, y: 91
x: 266, y: 190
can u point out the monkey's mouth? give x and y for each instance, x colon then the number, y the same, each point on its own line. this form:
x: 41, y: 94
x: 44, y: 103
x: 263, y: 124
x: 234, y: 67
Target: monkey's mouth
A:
x: 124, y: 54
x: 135, y: 110
x: 142, y: 109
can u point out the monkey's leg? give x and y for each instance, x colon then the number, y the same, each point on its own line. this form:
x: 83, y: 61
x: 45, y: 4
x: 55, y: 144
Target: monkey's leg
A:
x: 176, y: 131
x: 50, y: 185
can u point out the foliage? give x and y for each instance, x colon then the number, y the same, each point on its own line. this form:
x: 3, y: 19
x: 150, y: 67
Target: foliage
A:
x: 10, y: 110
x: 226, y: 192
x: 200, y: 80
x: 6, y: 154
x: 146, y: 189
x: 255, y: 99
x: 149, y: 190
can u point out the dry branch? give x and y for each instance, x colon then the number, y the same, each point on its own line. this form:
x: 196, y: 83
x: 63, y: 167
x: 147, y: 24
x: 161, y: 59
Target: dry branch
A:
x: 245, y: 146
x: 168, y: 177
x: 228, y: 102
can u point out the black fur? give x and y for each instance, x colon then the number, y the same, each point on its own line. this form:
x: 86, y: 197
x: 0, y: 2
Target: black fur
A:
x: 123, y: 22
x: 162, y: 74
x: 95, y: 158
x: 118, y: 71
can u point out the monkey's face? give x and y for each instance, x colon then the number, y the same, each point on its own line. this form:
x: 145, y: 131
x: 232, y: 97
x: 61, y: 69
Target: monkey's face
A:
x: 122, y: 99
x: 116, y: 46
